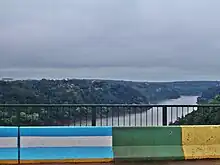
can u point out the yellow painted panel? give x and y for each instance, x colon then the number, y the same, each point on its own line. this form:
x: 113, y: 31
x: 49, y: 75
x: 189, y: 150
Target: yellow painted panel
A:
x: 201, y: 151
x: 200, y: 142
x: 8, y: 162
x: 67, y: 161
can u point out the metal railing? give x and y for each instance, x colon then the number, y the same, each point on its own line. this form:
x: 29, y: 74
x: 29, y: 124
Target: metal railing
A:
x: 94, y: 114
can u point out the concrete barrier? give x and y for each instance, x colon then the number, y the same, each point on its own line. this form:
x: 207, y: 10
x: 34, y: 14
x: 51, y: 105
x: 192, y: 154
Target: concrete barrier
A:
x: 103, y: 144
x: 201, y: 142
x: 8, y: 145
x: 147, y: 143
x: 66, y: 144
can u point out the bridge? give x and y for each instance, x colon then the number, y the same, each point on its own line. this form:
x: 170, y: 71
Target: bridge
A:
x: 52, y: 133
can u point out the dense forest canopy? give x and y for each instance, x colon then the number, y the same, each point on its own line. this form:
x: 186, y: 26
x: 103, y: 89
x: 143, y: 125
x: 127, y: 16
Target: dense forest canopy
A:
x: 77, y: 91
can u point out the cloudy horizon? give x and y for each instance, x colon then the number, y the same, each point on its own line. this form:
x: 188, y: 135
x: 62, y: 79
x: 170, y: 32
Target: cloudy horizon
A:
x: 139, y: 40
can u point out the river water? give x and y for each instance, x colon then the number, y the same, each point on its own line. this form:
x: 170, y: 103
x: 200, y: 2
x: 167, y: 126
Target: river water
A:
x: 153, y: 116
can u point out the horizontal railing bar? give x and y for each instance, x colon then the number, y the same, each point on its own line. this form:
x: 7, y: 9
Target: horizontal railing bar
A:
x: 106, y: 105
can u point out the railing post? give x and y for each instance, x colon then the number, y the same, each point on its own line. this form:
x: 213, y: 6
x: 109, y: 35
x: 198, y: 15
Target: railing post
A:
x: 164, y: 115
x: 93, y: 116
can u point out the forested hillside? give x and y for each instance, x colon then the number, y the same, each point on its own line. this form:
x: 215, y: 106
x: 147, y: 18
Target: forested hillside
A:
x: 83, y: 92
x: 194, y: 88
x: 72, y: 92
x: 203, y: 116
x: 78, y: 91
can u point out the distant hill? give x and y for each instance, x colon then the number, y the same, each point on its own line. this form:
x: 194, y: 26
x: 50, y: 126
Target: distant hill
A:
x: 193, y: 88
x: 76, y: 91
x: 209, y: 94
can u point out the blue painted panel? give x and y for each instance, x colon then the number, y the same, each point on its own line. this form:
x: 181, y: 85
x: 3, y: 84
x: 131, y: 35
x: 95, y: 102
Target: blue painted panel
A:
x: 66, y: 131
x: 8, y: 131
x: 66, y: 153
x: 8, y: 154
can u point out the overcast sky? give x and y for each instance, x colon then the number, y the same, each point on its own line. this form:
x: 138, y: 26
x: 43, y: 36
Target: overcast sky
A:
x: 152, y: 40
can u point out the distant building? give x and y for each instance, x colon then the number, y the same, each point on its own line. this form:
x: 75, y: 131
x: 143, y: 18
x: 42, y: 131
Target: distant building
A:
x: 7, y: 79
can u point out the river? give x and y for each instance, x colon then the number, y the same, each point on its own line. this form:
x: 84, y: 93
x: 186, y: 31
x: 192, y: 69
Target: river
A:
x: 153, y: 116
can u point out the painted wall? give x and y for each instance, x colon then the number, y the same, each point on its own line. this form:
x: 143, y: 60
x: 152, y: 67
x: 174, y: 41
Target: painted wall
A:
x: 152, y: 143
x: 166, y: 143
x: 66, y: 144
x: 8, y: 145
x: 201, y: 142
x: 105, y: 144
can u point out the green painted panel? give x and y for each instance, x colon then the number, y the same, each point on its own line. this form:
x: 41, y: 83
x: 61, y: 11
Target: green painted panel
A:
x: 147, y: 143
x: 146, y: 136
x: 148, y: 153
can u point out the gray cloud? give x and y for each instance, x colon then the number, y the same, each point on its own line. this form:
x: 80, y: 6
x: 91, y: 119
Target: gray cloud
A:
x: 119, y: 39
